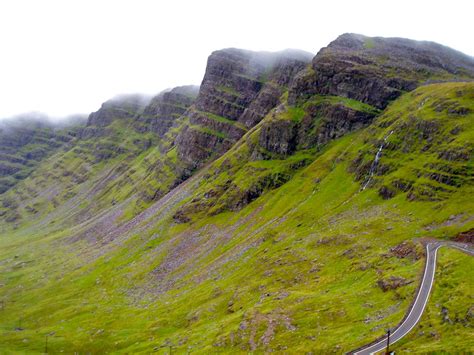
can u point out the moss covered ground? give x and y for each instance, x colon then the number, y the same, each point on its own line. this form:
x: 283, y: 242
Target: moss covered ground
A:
x: 298, y: 268
x: 447, y: 323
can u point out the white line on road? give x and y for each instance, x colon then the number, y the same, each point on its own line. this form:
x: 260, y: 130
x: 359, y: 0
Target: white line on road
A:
x: 380, y: 345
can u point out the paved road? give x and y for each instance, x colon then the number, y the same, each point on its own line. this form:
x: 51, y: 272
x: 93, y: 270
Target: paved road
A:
x: 418, y: 307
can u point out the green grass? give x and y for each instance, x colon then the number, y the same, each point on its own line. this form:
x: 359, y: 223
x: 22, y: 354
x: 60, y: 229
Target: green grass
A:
x: 423, y: 124
x: 293, y: 270
x: 222, y: 119
x: 447, y: 321
x: 369, y: 43
x: 26, y: 144
x: 210, y: 131
x: 228, y: 90
x: 295, y: 114
x: 335, y: 100
x: 95, y: 173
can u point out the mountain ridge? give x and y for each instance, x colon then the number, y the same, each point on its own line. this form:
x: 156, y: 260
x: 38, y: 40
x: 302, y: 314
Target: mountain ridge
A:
x: 277, y: 209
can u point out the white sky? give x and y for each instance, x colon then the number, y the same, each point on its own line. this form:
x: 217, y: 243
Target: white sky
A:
x: 62, y: 57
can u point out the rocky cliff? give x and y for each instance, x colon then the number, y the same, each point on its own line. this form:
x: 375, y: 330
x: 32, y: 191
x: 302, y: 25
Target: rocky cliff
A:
x: 279, y: 245
x: 283, y: 102
x: 28, y: 139
x: 347, y: 86
x: 376, y: 70
x: 239, y: 88
x: 163, y: 110
x: 350, y: 81
x: 122, y: 107
x: 124, y: 128
x: 150, y: 118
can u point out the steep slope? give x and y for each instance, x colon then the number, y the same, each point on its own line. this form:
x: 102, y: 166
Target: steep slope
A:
x: 28, y: 139
x: 376, y: 70
x: 122, y: 149
x: 300, y: 267
x: 127, y: 154
x: 134, y: 148
x: 350, y: 81
x: 447, y: 322
x: 314, y: 106
x: 302, y: 235
x: 239, y: 88
x: 164, y: 109
x: 306, y: 120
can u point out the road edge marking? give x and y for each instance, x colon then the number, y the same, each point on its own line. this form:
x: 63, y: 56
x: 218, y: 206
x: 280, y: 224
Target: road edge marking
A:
x: 414, y: 303
x: 427, y: 296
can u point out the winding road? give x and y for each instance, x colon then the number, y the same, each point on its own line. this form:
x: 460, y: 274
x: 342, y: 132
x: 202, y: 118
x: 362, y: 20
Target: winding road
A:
x: 418, y: 306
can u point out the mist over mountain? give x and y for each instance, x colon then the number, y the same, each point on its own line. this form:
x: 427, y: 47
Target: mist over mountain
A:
x: 287, y: 204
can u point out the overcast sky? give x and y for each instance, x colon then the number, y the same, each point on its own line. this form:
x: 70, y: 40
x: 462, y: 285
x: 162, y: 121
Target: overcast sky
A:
x: 62, y: 57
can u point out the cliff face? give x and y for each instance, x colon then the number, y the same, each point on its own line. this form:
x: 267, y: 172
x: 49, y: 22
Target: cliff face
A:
x: 122, y: 107
x: 350, y: 82
x: 25, y: 141
x: 285, y: 101
x: 114, y: 136
x: 239, y: 88
x: 376, y: 70
x: 149, y: 118
x: 241, y: 256
x: 143, y: 114
x: 165, y: 108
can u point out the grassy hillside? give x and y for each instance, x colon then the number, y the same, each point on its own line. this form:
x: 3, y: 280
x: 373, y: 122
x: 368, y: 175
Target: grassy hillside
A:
x: 27, y: 140
x: 447, y: 322
x: 259, y: 251
x: 105, y: 166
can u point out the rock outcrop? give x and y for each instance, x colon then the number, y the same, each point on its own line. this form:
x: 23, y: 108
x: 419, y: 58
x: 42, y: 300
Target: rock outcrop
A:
x: 28, y: 139
x: 351, y: 81
x: 165, y: 108
x: 145, y: 115
x: 465, y: 237
x: 239, y: 88
x: 119, y: 108
x: 284, y: 101
x: 376, y: 70
x: 392, y: 283
x: 146, y: 119
x: 319, y: 122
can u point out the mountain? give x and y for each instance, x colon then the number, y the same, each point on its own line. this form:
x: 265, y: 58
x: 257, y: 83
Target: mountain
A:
x: 377, y: 70
x: 279, y: 207
x: 122, y: 152
x: 239, y: 88
x: 28, y: 139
